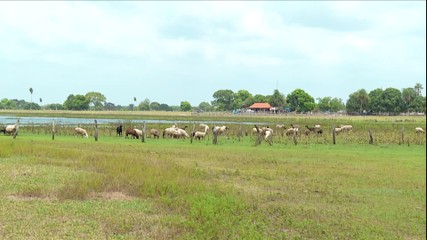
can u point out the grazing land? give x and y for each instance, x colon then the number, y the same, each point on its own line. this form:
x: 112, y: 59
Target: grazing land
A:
x: 118, y: 188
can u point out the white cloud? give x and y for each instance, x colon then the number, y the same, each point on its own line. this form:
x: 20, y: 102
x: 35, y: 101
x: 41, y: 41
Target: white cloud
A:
x: 365, y: 42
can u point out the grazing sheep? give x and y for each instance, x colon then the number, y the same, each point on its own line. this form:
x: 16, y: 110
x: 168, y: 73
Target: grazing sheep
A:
x: 154, y: 133
x: 219, y: 130
x: 169, y: 132
x: 268, y: 135
x: 295, y: 130
x: 347, y: 128
x: 132, y: 133
x: 9, y: 129
x: 175, y: 132
x: 204, y: 127
x: 119, y: 130
x: 199, y: 134
x: 338, y: 130
x: 181, y: 133
x: 291, y: 131
x: 310, y: 129
x: 419, y: 130
x: 139, y: 132
x: 81, y: 131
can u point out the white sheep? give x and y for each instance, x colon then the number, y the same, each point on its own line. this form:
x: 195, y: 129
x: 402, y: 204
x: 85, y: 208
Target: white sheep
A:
x: 338, y: 130
x: 268, y: 135
x: 419, y: 130
x: 219, y: 130
x: 81, y: 131
x: 139, y: 132
x: 204, y: 127
x: 291, y: 131
x: 346, y: 128
x: 9, y: 129
x: 201, y: 134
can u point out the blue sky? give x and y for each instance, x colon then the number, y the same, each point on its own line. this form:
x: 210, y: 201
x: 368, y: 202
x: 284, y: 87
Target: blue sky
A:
x: 171, y: 51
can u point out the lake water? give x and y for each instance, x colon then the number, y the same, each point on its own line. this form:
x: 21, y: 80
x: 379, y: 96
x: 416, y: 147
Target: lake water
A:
x: 5, y: 120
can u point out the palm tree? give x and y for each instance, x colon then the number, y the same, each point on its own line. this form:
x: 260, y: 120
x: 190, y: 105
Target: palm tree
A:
x: 41, y: 100
x: 363, y: 98
x: 134, y: 99
x: 31, y: 99
x: 418, y: 87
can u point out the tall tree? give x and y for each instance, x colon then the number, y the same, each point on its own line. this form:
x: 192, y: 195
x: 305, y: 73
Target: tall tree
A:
x: 392, y: 100
x: 76, y: 102
x: 375, y: 101
x: 277, y: 99
x: 144, y: 105
x: 300, y: 101
x: 363, y: 98
x: 408, y: 96
x: 185, y: 106
x: 224, y: 100
x: 418, y: 87
x: 324, y: 104
x: 243, y: 99
x: 31, y: 99
x: 96, y: 99
x: 205, y: 106
x: 259, y: 98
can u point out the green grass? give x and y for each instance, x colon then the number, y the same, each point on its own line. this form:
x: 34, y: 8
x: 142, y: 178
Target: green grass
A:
x: 120, y: 188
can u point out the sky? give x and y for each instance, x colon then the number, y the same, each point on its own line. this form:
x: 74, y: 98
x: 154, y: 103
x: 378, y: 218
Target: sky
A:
x: 173, y: 51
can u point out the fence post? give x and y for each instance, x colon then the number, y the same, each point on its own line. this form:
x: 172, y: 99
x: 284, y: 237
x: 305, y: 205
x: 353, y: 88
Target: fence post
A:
x: 192, y: 132
x: 53, y: 129
x: 215, y: 136
x: 96, y: 131
x: 258, y: 140
x: 371, y: 137
x: 403, y: 135
x: 16, y: 129
x: 143, y: 132
x: 240, y: 133
x: 333, y: 135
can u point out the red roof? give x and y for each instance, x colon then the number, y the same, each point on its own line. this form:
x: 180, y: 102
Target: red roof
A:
x: 261, y: 105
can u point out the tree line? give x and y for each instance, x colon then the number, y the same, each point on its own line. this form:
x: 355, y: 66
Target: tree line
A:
x: 378, y: 101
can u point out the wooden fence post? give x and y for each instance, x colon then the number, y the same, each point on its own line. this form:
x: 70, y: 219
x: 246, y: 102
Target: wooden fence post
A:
x: 294, y: 137
x: 143, y: 132
x: 333, y: 135
x: 258, y: 140
x: 96, y: 131
x: 371, y: 137
x: 403, y: 135
x: 215, y: 137
x: 16, y: 129
x: 192, y: 132
x: 53, y: 129
x: 240, y: 133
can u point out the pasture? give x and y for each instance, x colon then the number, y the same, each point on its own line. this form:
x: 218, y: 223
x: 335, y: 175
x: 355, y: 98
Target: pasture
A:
x: 117, y: 188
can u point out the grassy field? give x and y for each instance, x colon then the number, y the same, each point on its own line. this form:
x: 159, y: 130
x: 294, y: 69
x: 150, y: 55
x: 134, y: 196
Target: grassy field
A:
x: 116, y: 188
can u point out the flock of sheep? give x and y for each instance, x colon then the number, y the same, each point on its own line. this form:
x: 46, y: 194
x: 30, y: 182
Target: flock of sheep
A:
x: 203, y: 129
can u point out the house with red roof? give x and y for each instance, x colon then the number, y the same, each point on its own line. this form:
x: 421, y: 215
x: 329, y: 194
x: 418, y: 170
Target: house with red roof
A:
x: 263, y: 107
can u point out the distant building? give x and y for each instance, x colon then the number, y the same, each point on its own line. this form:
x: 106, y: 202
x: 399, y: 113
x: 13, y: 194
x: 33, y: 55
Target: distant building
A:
x: 260, y: 107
